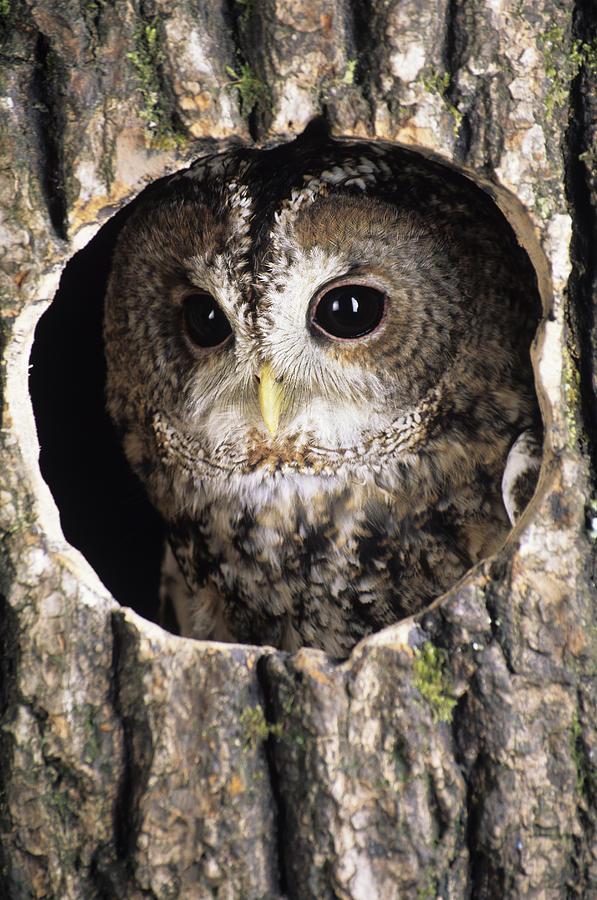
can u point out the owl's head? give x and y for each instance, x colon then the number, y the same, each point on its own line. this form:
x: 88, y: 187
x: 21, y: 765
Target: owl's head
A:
x: 319, y: 306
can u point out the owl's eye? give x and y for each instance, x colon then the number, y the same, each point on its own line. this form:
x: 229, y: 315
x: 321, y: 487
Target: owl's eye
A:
x: 348, y: 311
x: 205, y: 323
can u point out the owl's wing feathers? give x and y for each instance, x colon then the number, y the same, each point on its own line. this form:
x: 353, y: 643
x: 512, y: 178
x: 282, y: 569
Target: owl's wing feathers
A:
x: 175, y: 593
x: 521, y: 472
x: 198, y: 612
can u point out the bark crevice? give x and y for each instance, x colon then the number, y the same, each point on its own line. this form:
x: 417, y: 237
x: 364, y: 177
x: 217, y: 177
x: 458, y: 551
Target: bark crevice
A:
x: 8, y: 701
x: 47, y: 90
x: 276, y: 780
x: 137, y: 752
x: 581, y: 189
x: 363, y: 18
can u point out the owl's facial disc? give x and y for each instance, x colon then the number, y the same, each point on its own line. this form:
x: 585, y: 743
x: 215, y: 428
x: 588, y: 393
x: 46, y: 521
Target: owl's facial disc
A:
x: 287, y: 348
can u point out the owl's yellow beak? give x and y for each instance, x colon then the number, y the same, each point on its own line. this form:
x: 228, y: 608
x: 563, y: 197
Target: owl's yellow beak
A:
x: 271, y: 398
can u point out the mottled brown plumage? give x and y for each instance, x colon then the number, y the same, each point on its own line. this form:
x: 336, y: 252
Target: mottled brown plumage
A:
x: 318, y: 358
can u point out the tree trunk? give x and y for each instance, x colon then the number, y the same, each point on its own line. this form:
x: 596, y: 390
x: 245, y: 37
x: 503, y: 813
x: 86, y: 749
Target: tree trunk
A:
x: 454, y: 754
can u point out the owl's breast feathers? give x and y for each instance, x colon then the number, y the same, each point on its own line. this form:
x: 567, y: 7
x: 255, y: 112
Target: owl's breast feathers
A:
x: 325, y: 561
x: 289, y: 546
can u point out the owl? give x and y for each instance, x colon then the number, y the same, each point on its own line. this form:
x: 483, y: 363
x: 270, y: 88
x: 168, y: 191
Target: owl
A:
x: 318, y: 363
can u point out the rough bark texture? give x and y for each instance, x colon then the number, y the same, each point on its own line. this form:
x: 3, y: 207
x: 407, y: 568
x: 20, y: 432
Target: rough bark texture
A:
x: 453, y: 755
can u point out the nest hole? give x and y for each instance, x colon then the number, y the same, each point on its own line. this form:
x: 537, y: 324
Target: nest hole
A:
x: 103, y: 508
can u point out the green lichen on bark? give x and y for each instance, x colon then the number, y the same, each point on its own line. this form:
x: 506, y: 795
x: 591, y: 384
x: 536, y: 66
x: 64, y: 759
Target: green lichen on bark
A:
x: 162, y: 131
x: 255, y: 726
x: 564, y: 58
x: 433, y: 682
x: 251, y: 89
x: 586, y: 771
x: 434, y: 83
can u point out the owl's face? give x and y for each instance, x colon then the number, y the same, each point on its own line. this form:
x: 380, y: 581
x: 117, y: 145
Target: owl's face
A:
x: 311, y: 311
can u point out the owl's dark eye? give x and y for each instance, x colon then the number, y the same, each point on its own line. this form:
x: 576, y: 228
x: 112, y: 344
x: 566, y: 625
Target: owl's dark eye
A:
x: 348, y: 311
x: 205, y: 323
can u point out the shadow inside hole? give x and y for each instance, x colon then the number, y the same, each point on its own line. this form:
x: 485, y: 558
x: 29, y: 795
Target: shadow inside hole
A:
x: 104, y: 511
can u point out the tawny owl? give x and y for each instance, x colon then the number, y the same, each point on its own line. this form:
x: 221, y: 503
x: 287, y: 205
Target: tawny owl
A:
x: 318, y: 359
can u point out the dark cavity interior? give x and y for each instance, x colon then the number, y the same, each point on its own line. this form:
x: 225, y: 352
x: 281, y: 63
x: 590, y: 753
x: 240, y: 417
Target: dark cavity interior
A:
x: 103, y: 508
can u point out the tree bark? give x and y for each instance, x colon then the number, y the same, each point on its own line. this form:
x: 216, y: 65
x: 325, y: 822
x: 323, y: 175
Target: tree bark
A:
x: 454, y: 754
